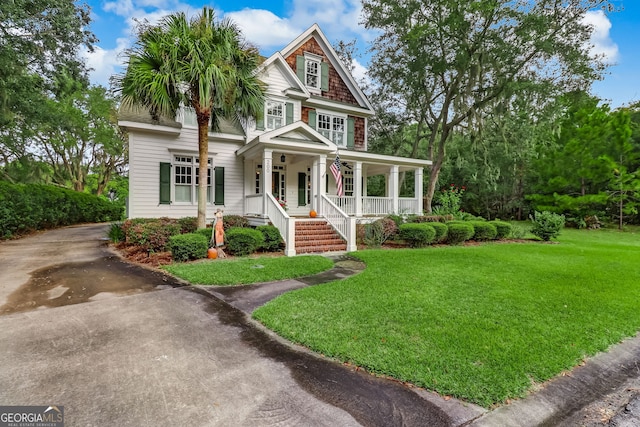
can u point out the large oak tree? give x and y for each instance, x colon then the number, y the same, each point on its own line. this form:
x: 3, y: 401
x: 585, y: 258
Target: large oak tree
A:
x: 443, y: 64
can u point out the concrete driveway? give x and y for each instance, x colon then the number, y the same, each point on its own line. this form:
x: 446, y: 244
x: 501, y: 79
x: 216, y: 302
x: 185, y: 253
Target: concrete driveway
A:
x: 120, y: 345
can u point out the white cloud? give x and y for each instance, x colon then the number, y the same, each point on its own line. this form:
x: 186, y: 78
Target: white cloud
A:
x: 339, y: 18
x: 601, y: 42
x: 265, y: 29
x: 105, y: 62
x: 359, y: 72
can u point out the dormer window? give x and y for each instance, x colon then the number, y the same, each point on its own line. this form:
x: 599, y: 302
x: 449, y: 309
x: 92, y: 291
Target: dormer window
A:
x: 313, y: 72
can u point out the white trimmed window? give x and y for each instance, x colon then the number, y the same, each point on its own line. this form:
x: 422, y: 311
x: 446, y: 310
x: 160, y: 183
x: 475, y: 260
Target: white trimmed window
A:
x: 275, y: 114
x: 185, y: 179
x: 333, y: 128
x: 347, y: 181
x: 312, y: 72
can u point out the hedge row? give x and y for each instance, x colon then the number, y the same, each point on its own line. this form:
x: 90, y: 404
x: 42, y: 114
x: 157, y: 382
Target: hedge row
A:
x: 28, y: 207
x: 453, y: 232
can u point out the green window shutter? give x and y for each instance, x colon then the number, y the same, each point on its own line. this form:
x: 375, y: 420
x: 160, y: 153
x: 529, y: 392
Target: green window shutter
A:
x: 324, y: 76
x: 289, y: 113
x: 302, y: 189
x: 165, y: 183
x: 312, y: 118
x: 260, y: 122
x: 300, y: 68
x: 351, y: 128
x: 219, y: 186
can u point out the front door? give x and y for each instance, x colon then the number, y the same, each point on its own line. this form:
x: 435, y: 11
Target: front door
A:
x: 278, y: 183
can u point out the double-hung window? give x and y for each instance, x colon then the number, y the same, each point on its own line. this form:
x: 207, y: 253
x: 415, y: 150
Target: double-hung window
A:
x: 312, y: 73
x: 333, y: 128
x: 185, y: 179
x: 275, y: 114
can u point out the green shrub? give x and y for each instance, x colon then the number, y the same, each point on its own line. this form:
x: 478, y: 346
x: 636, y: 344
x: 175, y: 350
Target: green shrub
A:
x: 459, y: 231
x: 28, y: 207
x: 441, y: 231
x: 206, y: 232
x: 272, y: 239
x: 518, y: 231
x: 188, y: 246
x: 399, y: 220
x: 234, y: 221
x: 483, y: 230
x: 188, y: 224
x: 379, y: 231
x: 429, y: 218
x: 503, y: 229
x: 546, y: 225
x: 243, y: 241
x: 116, y: 233
x: 417, y: 235
x: 152, y: 234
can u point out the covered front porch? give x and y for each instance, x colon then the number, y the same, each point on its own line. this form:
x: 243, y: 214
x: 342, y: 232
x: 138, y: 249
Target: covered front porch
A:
x: 288, y: 175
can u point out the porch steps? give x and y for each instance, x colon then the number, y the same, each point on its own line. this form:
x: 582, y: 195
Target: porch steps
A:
x: 317, y: 236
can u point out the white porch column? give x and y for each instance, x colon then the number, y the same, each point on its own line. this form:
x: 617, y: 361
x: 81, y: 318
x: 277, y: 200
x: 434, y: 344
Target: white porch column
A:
x: 358, y: 187
x: 319, y: 180
x: 314, y: 185
x: 267, y: 161
x: 394, y: 189
x: 419, y: 189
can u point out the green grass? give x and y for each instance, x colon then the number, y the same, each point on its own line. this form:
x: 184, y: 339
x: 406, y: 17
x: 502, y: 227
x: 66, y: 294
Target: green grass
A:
x: 249, y: 270
x: 480, y: 323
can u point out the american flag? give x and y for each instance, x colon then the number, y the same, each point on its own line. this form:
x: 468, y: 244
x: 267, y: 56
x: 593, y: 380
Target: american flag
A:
x: 337, y: 175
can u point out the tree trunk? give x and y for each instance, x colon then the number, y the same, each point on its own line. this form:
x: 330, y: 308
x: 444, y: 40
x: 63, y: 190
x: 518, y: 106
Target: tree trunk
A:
x: 203, y: 155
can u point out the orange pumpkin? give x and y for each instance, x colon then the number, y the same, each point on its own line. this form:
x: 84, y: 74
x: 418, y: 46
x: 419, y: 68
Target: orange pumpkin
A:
x: 313, y: 214
x: 212, y: 253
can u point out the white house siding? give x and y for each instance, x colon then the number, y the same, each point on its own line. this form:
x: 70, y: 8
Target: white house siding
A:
x: 277, y: 85
x: 146, y: 152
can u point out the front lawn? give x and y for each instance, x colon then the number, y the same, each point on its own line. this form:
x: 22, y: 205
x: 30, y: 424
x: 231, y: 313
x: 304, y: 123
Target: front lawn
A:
x: 239, y: 271
x: 481, y: 323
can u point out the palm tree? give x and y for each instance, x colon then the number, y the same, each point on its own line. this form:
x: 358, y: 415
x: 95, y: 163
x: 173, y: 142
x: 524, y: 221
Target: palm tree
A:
x: 202, y: 63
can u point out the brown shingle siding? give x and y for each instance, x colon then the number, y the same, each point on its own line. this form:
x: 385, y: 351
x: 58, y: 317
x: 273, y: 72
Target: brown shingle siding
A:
x: 338, y: 90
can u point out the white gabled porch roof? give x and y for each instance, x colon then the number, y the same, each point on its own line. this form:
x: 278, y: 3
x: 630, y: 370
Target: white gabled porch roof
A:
x: 297, y: 137
x: 300, y: 138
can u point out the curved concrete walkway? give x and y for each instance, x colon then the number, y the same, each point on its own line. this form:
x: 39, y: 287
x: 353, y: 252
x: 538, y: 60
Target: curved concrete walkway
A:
x: 117, y: 344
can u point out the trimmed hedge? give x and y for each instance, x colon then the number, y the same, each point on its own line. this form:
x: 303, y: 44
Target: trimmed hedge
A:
x: 417, y: 235
x: 429, y: 218
x: 503, y: 229
x: 206, y: 232
x: 441, y: 231
x: 188, y: 246
x: 29, y: 207
x: 243, y: 241
x: 459, y: 231
x: 272, y: 238
x: 483, y: 230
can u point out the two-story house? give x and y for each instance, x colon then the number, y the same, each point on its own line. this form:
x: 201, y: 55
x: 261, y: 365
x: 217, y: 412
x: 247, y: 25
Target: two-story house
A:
x: 314, y: 112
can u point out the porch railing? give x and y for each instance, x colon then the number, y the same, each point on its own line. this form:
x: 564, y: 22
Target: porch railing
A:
x: 253, y: 205
x: 283, y: 222
x: 340, y: 221
x: 347, y: 204
x: 377, y: 205
x: 408, y: 205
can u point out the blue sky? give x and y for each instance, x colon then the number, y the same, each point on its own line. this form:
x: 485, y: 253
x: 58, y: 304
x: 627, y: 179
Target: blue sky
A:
x: 271, y: 25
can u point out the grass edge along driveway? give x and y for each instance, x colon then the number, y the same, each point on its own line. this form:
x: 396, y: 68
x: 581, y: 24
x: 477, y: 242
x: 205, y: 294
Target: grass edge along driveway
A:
x: 480, y: 323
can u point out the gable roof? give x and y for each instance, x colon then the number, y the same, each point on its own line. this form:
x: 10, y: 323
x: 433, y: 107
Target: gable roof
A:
x: 297, y: 136
x: 315, y: 32
x: 296, y: 89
